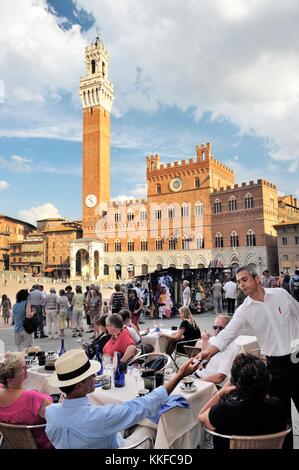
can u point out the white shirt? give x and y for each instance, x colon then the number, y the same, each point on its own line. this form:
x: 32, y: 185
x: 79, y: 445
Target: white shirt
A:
x: 133, y: 333
x: 220, y: 363
x: 186, y: 296
x: 275, y: 323
x: 230, y: 289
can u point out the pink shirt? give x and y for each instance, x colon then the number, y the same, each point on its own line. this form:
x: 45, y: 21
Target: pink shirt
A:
x: 25, y: 411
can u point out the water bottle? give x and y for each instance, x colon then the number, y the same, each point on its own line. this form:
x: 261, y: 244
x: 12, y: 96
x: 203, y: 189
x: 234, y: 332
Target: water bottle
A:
x: 119, y: 375
x: 99, y: 359
x: 62, y: 350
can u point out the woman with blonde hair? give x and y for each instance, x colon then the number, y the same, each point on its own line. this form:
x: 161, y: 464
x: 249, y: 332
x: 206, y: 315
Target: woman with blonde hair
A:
x: 17, y: 405
x: 188, y: 330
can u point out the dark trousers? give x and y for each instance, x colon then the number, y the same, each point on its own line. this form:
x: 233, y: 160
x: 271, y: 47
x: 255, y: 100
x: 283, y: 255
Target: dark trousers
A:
x: 231, y: 305
x: 40, y: 317
x: 284, y: 384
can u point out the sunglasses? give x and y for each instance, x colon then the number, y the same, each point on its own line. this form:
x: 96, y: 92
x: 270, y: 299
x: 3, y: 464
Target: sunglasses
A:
x: 218, y: 327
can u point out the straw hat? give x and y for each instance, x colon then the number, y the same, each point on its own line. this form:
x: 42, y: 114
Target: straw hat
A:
x: 72, y: 367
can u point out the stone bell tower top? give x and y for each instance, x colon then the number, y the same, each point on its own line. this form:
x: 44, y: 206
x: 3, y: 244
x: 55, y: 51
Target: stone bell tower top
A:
x: 95, y: 88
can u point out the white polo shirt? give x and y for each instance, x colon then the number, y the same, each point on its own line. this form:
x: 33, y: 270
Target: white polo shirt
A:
x: 220, y: 363
x: 230, y: 289
x: 275, y: 323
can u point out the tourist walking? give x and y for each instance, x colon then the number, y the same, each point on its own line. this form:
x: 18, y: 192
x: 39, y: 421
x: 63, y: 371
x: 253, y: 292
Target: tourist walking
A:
x: 5, y: 306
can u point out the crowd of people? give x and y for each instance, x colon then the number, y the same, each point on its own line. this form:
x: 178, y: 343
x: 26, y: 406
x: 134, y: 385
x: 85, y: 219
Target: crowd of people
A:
x: 254, y: 394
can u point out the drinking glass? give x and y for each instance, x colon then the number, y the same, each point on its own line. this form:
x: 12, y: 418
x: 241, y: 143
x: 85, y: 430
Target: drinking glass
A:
x: 168, y: 372
x: 136, y: 373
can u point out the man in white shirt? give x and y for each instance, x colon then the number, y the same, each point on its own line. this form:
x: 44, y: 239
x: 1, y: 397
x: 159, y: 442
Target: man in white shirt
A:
x: 272, y: 314
x: 230, y: 289
x: 218, y: 368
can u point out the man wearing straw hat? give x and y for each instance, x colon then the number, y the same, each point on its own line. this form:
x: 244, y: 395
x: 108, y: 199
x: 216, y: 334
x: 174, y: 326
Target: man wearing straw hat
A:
x: 77, y: 424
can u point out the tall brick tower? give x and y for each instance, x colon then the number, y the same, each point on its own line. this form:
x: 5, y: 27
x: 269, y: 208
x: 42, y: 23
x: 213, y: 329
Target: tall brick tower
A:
x: 96, y: 92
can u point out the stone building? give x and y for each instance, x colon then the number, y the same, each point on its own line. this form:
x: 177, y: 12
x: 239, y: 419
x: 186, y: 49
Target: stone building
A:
x: 195, y: 215
x: 11, y: 230
x: 288, y: 246
x: 28, y: 256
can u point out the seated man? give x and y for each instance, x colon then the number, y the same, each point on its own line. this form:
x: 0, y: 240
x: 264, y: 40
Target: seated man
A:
x: 218, y: 368
x: 77, y: 424
x: 120, y: 340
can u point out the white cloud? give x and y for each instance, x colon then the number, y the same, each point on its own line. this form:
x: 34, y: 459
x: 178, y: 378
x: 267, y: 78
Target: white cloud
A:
x: 16, y: 164
x: 235, y: 58
x: 4, y: 185
x: 38, y: 213
x: 2, y: 91
x: 138, y: 192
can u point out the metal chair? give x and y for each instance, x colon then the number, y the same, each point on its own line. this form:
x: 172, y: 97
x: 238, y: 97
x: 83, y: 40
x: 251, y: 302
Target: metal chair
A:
x: 263, y: 441
x: 144, y: 359
x: 190, y: 350
x: 19, y: 436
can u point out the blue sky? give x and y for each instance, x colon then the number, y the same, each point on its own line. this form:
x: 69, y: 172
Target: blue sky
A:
x: 210, y: 71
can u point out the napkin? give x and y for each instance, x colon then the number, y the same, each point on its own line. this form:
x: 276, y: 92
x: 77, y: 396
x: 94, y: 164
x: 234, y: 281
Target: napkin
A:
x: 156, y: 330
x: 172, y: 402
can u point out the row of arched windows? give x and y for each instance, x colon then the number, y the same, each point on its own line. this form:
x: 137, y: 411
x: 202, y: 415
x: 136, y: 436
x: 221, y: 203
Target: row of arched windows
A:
x: 234, y: 239
x: 185, y: 211
x: 233, y: 205
x: 173, y: 244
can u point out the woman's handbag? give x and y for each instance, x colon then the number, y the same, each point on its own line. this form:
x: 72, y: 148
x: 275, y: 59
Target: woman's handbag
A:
x: 30, y: 324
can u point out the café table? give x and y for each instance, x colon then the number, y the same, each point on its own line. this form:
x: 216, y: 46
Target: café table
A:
x: 37, y: 380
x: 178, y: 428
x: 248, y: 345
x: 159, y: 343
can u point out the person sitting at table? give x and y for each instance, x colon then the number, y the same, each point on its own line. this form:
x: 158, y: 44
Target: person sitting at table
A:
x: 243, y: 408
x: 101, y: 340
x: 134, y: 332
x: 188, y: 330
x: 120, y: 340
x: 78, y: 424
x: 20, y: 406
x: 218, y: 368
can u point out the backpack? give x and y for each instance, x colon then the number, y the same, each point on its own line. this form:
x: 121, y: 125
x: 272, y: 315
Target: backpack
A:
x: 117, y: 303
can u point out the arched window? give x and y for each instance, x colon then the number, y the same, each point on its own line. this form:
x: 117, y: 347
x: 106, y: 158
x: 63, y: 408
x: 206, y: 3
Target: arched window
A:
x: 219, y: 240
x: 117, y: 217
x: 285, y: 258
x: 143, y: 214
x: 106, y: 246
x: 93, y: 66
x: 158, y: 188
x: 200, y: 242
x: 248, y: 201
x: 143, y: 244
x: 103, y: 69
x: 234, y: 239
x: 117, y: 245
x: 184, y: 210
x: 159, y: 244
x: 158, y: 213
x: 106, y: 270
x: 172, y: 243
x: 197, y: 182
x: 144, y: 269
x: 198, y: 209
x: 232, y: 204
x: 130, y: 215
x: 250, y: 238
x: 130, y: 244
x: 217, y: 206
x: 171, y: 212
x: 186, y: 243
